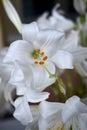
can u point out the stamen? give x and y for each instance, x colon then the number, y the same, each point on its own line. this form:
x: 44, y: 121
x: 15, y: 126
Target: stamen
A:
x: 36, y: 62
x: 42, y: 53
x: 41, y: 62
x: 45, y: 58
x: 38, y: 50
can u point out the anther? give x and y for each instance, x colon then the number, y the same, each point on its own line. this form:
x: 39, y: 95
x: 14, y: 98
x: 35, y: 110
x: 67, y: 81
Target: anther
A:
x: 41, y: 62
x: 38, y: 50
x: 45, y: 58
x: 36, y: 62
x: 42, y: 53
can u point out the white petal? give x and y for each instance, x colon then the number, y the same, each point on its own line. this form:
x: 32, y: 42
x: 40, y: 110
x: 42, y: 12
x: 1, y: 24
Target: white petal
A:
x: 79, y: 6
x: 22, y: 112
x: 20, y: 89
x: 69, y: 43
x: 81, y: 68
x: 50, y: 115
x: 83, y: 121
x: 41, y: 77
x: 72, y: 110
x: 48, y: 40
x: 16, y: 75
x: 30, y: 31
x: 12, y: 14
x: 63, y: 60
x: 35, y: 96
x: 61, y: 23
x: 47, y: 109
x: 19, y: 51
x: 79, y: 54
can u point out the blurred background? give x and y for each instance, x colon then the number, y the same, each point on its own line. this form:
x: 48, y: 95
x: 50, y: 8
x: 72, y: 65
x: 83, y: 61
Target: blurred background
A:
x: 29, y: 10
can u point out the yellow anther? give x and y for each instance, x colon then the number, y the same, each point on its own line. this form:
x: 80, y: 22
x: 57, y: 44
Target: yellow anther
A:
x: 45, y: 58
x: 36, y: 62
x: 42, y: 53
x: 41, y: 62
x: 38, y: 50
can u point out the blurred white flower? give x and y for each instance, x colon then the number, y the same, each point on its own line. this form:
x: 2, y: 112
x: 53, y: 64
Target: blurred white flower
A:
x: 5, y: 72
x: 55, y: 21
x: 70, y: 115
x: 80, y: 6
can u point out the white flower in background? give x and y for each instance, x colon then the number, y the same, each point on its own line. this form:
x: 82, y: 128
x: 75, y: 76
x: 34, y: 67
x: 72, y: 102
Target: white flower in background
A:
x: 5, y: 72
x: 55, y: 21
x: 71, y: 44
x: 63, y: 116
x: 12, y: 14
x: 80, y: 6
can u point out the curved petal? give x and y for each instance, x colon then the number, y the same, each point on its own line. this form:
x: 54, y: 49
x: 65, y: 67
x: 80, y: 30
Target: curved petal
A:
x: 70, y: 41
x: 47, y: 41
x: 47, y: 109
x: 63, y: 60
x: 41, y: 78
x: 36, y: 96
x: 50, y: 116
x: 79, y: 54
x: 76, y: 108
x: 22, y: 111
x: 12, y: 14
x: 80, y: 6
x: 30, y: 31
x: 19, y: 51
x: 60, y: 21
x: 43, y: 21
x: 16, y: 75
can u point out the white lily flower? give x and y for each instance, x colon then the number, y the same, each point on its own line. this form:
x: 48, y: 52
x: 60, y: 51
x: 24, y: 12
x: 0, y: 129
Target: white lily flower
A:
x: 63, y: 116
x: 80, y: 6
x: 55, y: 21
x: 40, y: 48
x: 12, y: 14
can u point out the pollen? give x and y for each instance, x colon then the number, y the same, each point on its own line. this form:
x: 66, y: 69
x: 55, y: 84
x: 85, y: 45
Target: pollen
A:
x: 41, y: 62
x: 38, y: 50
x: 42, y: 53
x: 36, y: 62
x: 45, y: 58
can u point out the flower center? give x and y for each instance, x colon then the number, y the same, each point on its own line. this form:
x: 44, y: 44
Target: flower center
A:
x: 39, y: 57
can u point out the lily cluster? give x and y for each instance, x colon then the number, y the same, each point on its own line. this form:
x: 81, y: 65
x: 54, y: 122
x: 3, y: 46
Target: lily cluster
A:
x: 48, y: 47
